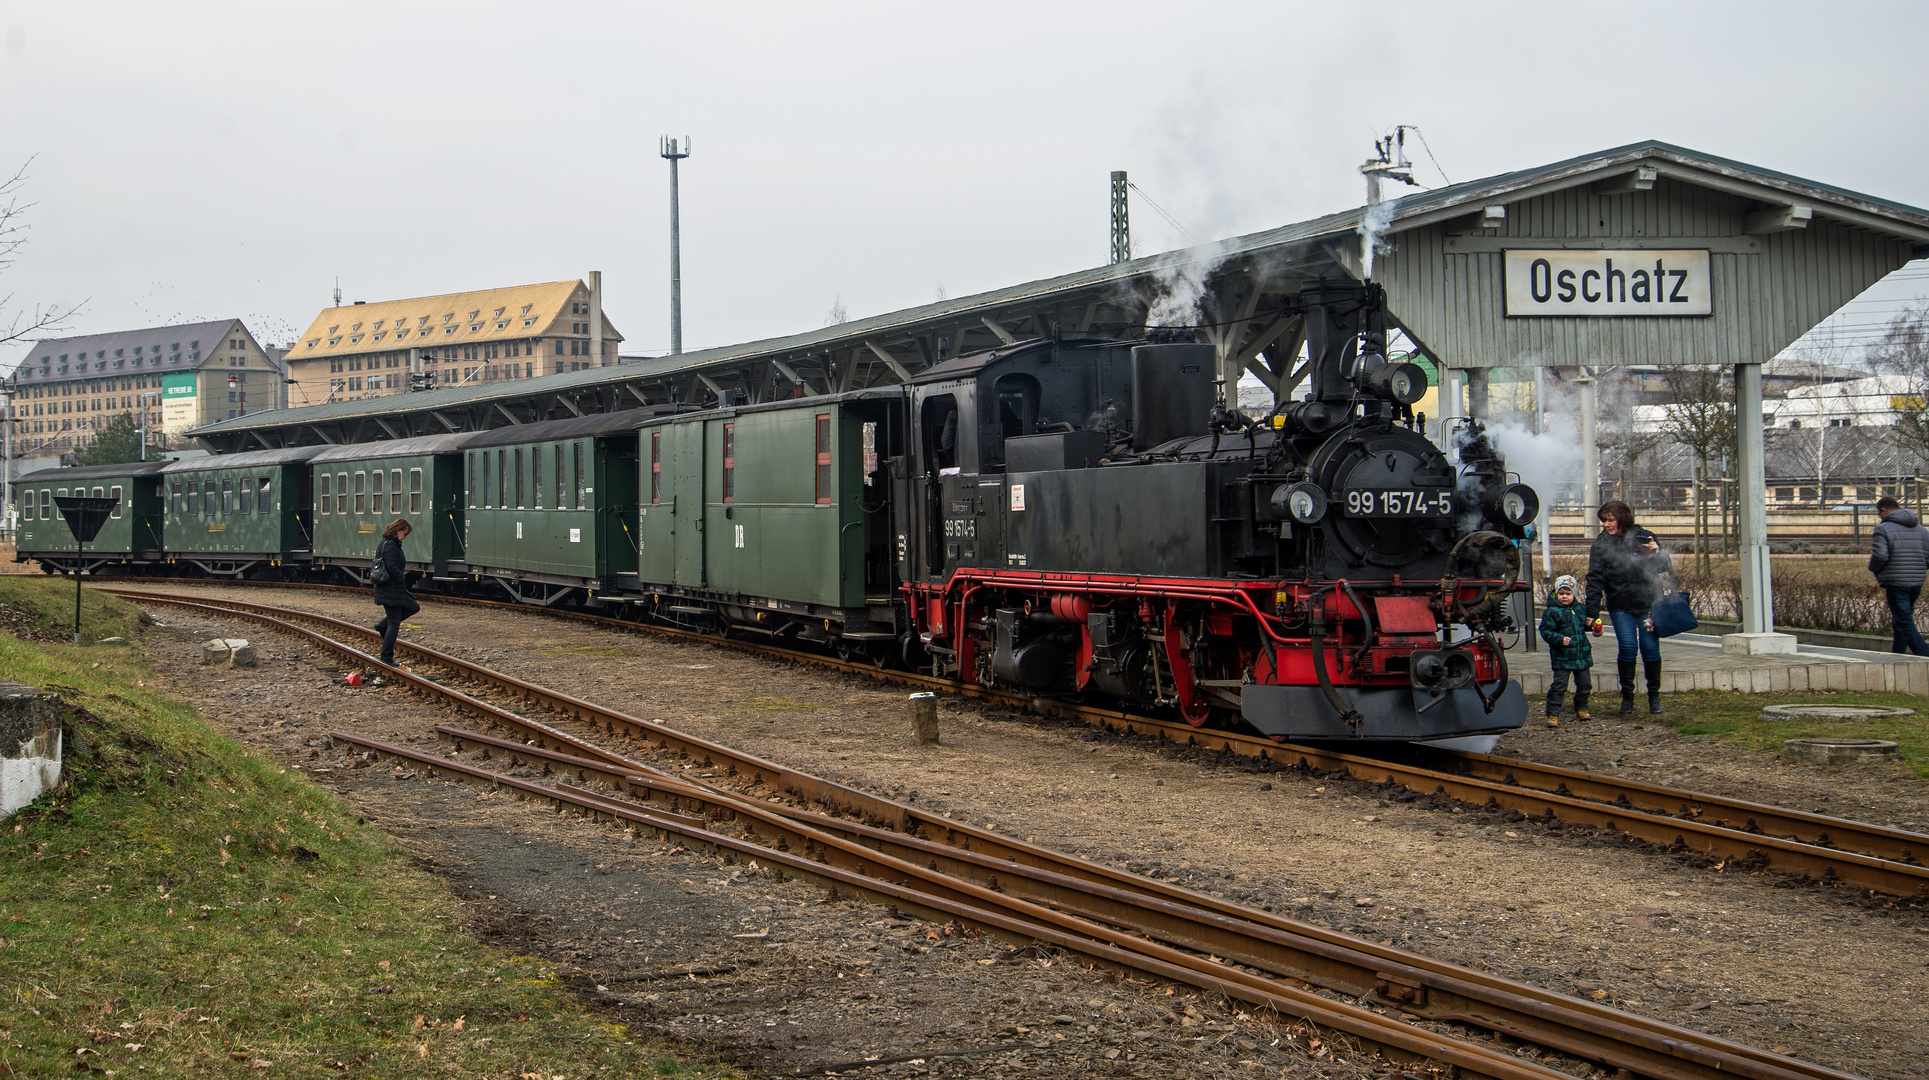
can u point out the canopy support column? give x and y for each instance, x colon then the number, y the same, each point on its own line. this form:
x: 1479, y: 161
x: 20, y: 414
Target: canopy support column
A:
x: 1757, y: 634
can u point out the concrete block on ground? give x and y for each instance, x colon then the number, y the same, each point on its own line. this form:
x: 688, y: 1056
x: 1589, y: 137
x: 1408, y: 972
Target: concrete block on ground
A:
x: 924, y: 718
x: 1777, y: 679
x: 1859, y: 677
x: 1918, y: 678
x: 1758, y: 644
x: 233, y: 652
x: 30, y: 749
x: 1798, y: 677
x: 1835, y: 677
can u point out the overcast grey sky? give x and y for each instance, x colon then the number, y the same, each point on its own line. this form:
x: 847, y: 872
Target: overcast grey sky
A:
x: 199, y: 160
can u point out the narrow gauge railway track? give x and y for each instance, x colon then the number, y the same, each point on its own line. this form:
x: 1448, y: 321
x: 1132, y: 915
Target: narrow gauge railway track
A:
x: 889, y: 852
x: 1835, y: 851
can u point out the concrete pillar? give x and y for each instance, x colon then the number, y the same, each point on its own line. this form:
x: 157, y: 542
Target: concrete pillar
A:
x: 1590, y: 453
x: 596, y: 317
x: 1477, y: 393
x: 1757, y: 634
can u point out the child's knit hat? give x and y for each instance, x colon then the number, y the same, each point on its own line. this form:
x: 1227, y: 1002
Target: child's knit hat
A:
x: 1566, y: 581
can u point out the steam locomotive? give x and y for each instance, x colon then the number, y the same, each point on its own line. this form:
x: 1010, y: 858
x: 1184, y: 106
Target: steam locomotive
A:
x: 1093, y: 518
x: 1061, y: 517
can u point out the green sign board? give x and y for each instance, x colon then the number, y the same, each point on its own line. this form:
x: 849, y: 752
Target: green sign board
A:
x: 177, y: 384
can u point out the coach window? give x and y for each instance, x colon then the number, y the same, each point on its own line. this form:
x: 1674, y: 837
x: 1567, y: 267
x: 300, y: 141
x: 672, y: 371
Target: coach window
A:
x: 180, y: 505
x: 263, y: 486
x: 729, y: 463
x: 341, y: 493
x: 46, y: 504
x: 246, y: 504
x: 415, y: 491
x: 115, y: 493
x: 361, y: 493
x: 194, y: 498
x: 582, y: 485
x: 561, y: 501
x: 325, y: 494
x: 227, y: 497
x: 536, y: 472
x: 375, y: 489
x: 395, y: 491
x: 502, y: 479
x: 656, y: 466
x: 482, y: 498
x: 823, y: 459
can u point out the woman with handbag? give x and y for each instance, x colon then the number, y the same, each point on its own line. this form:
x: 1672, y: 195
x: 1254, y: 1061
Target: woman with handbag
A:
x: 389, y: 574
x: 1624, y: 570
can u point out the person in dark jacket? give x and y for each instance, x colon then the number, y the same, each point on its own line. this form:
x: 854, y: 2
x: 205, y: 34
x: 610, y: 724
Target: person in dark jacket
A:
x: 1624, y: 569
x: 1899, y: 560
x: 393, y: 594
x: 1564, y: 628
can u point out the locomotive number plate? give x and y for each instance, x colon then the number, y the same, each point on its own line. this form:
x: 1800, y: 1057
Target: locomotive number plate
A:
x: 1399, y: 502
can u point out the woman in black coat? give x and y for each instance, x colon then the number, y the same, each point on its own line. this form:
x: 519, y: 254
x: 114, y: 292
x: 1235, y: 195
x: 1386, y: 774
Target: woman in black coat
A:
x: 392, y: 594
x: 1624, y: 569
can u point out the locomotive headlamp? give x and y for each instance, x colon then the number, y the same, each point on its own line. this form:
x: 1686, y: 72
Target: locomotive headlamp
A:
x: 1402, y: 382
x: 1304, y: 502
x: 1518, y: 504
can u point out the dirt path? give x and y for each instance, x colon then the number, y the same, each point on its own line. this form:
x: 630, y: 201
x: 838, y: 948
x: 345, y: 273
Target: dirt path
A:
x: 1801, y: 969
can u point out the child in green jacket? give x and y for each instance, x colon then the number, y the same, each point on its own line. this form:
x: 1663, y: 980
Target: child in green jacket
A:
x: 1564, y: 628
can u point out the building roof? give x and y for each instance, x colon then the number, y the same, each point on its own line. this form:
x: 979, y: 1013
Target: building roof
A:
x: 183, y: 347
x: 1311, y: 249
x: 427, y: 322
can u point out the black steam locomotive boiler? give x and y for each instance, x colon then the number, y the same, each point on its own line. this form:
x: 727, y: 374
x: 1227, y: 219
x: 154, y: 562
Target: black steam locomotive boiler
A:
x: 1091, y: 517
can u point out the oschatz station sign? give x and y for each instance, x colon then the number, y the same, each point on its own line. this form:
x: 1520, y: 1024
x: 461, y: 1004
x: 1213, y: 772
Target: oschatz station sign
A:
x: 1634, y: 283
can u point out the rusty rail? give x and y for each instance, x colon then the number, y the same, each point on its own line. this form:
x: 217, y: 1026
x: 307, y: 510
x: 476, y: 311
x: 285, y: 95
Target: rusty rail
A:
x: 1262, y: 941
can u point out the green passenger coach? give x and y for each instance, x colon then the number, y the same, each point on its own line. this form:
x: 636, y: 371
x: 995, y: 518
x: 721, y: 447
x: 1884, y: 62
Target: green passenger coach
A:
x: 360, y: 488
x: 240, y: 514
x: 551, y: 505
x: 132, y: 533
x: 771, y: 517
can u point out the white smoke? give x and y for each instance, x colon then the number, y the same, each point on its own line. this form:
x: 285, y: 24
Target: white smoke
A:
x: 1180, y: 284
x: 1547, y: 461
x: 1372, y: 230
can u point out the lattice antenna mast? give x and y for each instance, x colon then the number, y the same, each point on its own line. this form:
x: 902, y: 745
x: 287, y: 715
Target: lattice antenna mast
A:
x: 1121, y: 220
x: 674, y: 153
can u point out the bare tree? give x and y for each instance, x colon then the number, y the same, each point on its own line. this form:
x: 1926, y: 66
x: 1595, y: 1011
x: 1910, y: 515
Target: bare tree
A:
x: 838, y: 312
x: 1904, y: 351
x: 13, y: 237
x: 1701, y: 417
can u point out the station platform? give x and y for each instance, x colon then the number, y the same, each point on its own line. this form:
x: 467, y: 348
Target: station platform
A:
x: 1696, y: 662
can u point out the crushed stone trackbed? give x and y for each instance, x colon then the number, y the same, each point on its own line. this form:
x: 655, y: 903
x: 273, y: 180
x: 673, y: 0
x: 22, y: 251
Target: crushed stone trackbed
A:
x: 786, y: 979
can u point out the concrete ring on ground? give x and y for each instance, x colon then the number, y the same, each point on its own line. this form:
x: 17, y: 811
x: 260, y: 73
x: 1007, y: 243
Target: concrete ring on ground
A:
x: 1838, y: 751
x: 1833, y: 712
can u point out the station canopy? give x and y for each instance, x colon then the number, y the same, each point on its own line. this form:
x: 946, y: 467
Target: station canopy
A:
x: 1643, y: 254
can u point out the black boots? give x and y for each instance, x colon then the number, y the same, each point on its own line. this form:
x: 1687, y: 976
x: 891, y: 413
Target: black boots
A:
x: 1626, y: 668
x: 1654, y: 685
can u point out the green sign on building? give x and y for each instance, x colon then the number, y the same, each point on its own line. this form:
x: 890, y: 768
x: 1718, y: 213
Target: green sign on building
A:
x: 177, y: 384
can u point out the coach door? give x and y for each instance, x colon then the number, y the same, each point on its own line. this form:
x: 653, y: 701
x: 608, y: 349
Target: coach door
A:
x: 685, y: 454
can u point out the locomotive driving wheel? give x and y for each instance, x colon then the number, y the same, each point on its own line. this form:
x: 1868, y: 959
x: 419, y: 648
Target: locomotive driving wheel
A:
x: 1196, y: 709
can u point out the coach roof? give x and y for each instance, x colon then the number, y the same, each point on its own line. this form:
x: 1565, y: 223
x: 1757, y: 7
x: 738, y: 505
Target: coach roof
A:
x: 416, y: 446
x: 252, y: 458
x: 89, y: 472
x: 573, y: 428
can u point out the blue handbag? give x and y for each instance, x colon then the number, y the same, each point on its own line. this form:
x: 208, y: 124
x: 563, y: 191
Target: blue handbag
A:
x: 1673, y: 614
